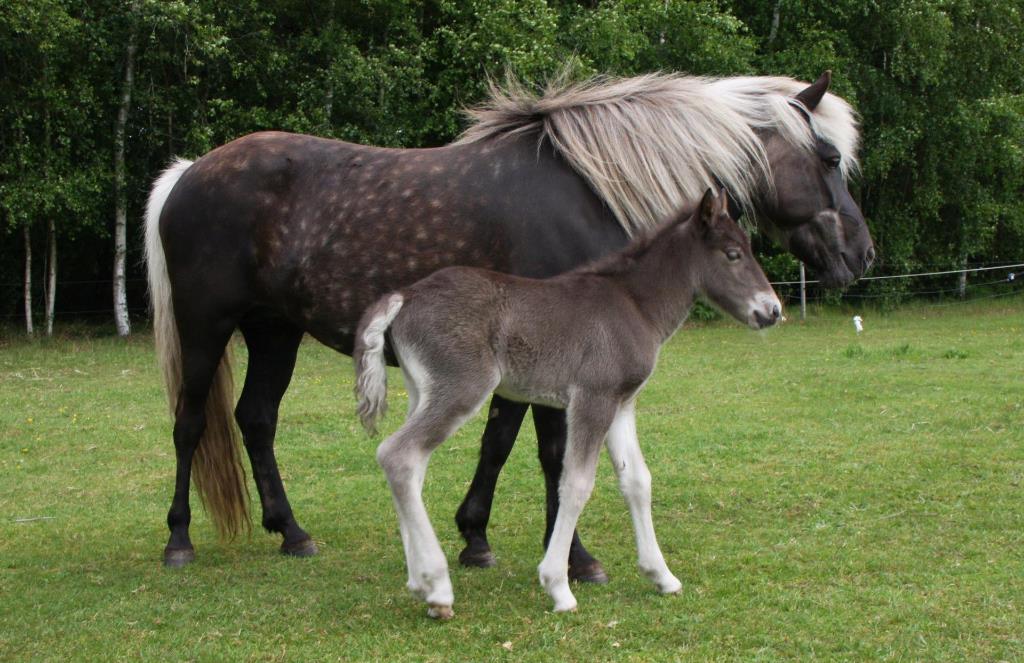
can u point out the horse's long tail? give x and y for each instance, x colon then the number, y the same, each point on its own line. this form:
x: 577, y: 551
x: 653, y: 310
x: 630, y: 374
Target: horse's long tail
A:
x: 368, y: 357
x: 217, y: 464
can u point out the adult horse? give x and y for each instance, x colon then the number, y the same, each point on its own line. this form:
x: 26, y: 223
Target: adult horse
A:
x: 279, y: 235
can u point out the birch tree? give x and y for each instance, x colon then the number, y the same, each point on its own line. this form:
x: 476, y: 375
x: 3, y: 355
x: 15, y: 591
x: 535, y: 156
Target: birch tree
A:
x: 120, y: 200
x: 28, y: 279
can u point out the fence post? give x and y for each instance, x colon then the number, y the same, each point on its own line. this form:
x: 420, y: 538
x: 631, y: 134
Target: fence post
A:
x: 803, y: 293
x: 961, y: 280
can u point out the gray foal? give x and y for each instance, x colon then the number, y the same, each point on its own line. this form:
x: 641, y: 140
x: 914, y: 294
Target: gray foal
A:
x: 585, y: 341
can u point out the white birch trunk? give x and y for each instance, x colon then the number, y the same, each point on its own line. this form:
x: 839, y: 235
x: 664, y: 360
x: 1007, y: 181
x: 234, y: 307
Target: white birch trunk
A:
x: 776, y: 15
x: 120, y: 199
x: 28, y: 281
x: 50, y: 294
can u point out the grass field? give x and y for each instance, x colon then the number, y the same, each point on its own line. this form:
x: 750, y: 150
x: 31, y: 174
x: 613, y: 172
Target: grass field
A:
x: 821, y: 495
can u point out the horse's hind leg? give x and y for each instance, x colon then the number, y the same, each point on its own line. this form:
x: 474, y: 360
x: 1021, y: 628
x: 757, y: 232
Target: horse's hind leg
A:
x: 551, y: 437
x: 635, y: 484
x: 499, y: 435
x: 202, y: 346
x: 273, y: 345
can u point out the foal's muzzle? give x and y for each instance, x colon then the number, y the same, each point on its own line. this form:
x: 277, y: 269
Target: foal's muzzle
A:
x: 765, y: 311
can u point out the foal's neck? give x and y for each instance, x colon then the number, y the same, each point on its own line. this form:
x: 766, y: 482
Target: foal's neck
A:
x: 663, y: 278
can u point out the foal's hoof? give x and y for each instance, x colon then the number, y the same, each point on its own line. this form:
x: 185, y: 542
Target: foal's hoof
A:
x: 303, y: 548
x: 670, y: 586
x: 175, y: 558
x: 592, y: 572
x: 440, y: 612
x: 481, y: 558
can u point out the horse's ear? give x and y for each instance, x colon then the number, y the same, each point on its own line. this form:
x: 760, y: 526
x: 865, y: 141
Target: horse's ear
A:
x: 811, y: 96
x: 723, y: 201
x: 709, y: 208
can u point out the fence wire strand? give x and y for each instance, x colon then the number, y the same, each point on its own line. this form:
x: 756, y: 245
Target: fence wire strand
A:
x: 787, y: 294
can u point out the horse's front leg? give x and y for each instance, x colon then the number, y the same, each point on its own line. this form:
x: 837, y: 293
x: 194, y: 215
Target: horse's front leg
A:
x: 499, y: 435
x: 551, y: 437
x: 587, y: 424
x: 635, y: 484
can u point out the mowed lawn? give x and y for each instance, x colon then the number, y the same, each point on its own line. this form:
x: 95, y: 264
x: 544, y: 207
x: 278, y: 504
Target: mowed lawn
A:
x: 822, y: 495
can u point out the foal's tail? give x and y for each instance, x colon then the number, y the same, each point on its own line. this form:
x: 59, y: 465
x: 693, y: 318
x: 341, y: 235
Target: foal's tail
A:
x: 217, y: 464
x: 368, y: 357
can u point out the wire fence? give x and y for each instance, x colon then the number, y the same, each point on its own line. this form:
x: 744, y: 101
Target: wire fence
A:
x: 1008, y: 285
x: 1001, y: 281
x: 965, y: 270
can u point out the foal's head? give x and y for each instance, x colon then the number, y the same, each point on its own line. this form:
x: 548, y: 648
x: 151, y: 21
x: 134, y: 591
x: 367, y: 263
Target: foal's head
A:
x: 730, y: 277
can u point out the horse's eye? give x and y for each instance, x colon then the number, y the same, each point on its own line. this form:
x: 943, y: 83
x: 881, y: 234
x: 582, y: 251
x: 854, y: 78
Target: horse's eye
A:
x: 732, y: 254
x: 832, y: 162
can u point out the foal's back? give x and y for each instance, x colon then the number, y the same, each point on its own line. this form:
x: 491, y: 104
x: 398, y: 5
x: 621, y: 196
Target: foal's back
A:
x: 544, y: 337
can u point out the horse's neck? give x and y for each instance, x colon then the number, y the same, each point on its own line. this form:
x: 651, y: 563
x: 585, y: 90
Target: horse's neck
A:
x: 662, y: 281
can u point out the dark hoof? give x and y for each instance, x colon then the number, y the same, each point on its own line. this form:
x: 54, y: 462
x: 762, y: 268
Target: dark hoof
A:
x: 592, y: 572
x: 304, y: 548
x: 175, y: 558
x: 478, y: 558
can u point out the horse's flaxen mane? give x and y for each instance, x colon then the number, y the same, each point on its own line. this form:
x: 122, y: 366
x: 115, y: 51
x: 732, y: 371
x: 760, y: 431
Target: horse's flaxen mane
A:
x: 648, y: 144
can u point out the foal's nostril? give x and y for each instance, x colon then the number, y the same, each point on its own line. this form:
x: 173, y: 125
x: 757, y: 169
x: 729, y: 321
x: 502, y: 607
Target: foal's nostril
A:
x: 766, y: 318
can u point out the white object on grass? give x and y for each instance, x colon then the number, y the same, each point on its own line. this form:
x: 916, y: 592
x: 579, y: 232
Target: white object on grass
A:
x: 858, y: 323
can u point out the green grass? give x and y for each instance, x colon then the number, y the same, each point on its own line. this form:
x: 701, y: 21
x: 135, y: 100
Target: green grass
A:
x: 820, y: 494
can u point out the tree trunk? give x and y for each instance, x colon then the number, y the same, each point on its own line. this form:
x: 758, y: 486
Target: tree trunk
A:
x: 28, y: 280
x: 775, y: 21
x: 120, y: 199
x: 661, y: 35
x: 50, y: 294
x: 50, y: 258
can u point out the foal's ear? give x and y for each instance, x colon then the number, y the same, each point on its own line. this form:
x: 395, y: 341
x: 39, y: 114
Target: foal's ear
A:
x: 811, y: 96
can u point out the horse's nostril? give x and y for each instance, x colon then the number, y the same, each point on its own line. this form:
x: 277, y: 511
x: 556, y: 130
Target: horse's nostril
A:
x: 776, y: 312
x: 869, y: 256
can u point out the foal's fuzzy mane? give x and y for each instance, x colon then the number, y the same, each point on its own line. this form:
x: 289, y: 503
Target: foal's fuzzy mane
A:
x: 650, y: 143
x: 620, y: 261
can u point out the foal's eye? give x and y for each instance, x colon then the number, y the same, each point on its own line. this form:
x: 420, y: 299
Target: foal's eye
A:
x: 831, y: 163
x: 732, y: 254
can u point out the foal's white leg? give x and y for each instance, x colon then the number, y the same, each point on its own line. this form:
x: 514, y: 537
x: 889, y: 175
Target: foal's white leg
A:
x: 404, y: 457
x: 635, y: 484
x: 404, y: 461
x: 411, y: 372
x: 587, y: 427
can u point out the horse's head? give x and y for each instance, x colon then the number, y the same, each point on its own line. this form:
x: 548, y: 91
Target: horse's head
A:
x: 731, y: 277
x: 811, y: 212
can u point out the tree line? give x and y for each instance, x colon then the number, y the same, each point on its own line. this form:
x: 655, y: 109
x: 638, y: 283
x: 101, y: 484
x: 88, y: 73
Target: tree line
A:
x: 96, y: 96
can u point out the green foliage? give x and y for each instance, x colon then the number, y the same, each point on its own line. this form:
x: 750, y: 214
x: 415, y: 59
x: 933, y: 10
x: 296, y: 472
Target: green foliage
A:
x: 628, y: 37
x: 939, y: 85
x: 48, y: 163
